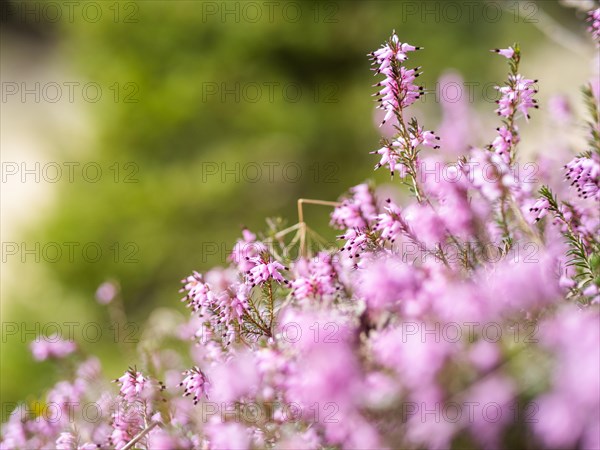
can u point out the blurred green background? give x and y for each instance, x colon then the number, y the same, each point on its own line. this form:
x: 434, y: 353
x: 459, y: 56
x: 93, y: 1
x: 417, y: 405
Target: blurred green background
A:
x: 167, y: 57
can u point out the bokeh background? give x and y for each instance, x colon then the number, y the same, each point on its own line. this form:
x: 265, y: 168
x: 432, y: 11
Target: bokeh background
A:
x: 275, y: 93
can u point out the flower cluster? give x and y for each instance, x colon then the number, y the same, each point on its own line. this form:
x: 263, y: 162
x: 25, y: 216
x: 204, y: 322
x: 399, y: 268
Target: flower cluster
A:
x: 398, y: 93
x: 195, y: 384
x: 584, y: 174
x: 467, y: 315
x: 517, y: 95
x: 316, y: 278
x: 133, y: 385
x: 264, y: 269
x: 398, y: 89
x: 53, y: 346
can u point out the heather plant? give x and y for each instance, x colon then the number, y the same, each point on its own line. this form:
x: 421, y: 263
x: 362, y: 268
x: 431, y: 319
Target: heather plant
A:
x: 465, y: 317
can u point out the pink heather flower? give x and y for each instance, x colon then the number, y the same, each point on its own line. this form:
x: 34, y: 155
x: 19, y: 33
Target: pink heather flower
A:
x: 273, y: 367
x: 306, y: 440
x: 221, y: 279
x: 569, y: 413
x: 133, y: 385
x: 496, y: 290
x: 14, y: 432
x: 327, y: 375
x: 385, y: 283
x: 390, y: 222
x: 557, y: 424
x: 488, y: 173
x: 506, y: 52
x: 392, y: 225
x: 235, y: 378
x: 539, y: 210
x: 381, y: 389
x: 51, y: 347
x: 160, y: 439
x: 416, y: 358
x: 594, y: 20
x: 504, y: 142
x: 228, y: 310
x: 265, y: 269
x: 65, y: 393
x: 106, y: 292
x: 247, y: 247
x: 458, y: 209
x: 517, y: 96
x: 527, y: 284
x: 330, y: 329
x: 592, y: 291
x: 356, y: 214
x: 128, y: 421
x: 237, y: 305
x: 66, y: 441
x: 316, y: 278
x: 88, y: 446
x: 198, y: 294
x: 357, y: 242
x: 90, y: 369
x: 393, y: 50
x: 581, y: 220
x: 584, y: 174
x: 428, y: 431
x: 64, y: 398
x: 423, y: 137
x: 305, y: 288
x: 427, y: 225
x: 227, y: 435
x: 391, y: 154
x: 231, y: 310
x: 397, y: 89
x: 499, y: 390
x: 223, y: 309
x: 195, y: 384
x: 566, y: 281
x: 390, y: 157
x: 484, y: 355
x: 356, y: 211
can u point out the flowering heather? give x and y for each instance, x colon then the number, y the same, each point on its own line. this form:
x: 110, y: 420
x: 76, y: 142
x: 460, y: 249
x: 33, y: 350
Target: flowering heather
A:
x: 51, y: 347
x: 195, y: 383
x: 398, y: 90
x: 466, y: 316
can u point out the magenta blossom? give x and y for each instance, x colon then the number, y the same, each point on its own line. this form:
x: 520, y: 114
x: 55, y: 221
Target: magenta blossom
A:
x: 517, y: 96
x: 397, y: 89
x: 134, y: 385
x: 247, y: 247
x: 506, y: 52
x: 539, y: 210
x: 317, y: 278
x: 356, y: 211
x: 195, y: 383
x: 265, y: 269
x: 584, y: 175
x: 51, y: 347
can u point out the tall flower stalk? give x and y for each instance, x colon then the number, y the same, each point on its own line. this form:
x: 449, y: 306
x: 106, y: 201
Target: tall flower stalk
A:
x: 398, y: 92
